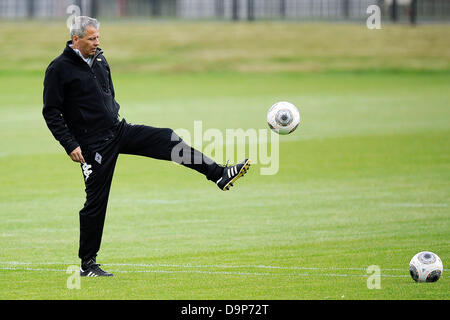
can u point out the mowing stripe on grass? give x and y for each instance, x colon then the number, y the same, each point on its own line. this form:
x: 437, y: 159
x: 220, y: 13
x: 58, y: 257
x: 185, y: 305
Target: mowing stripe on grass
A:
x: 216, y: 273
x: 157, y: 265
x: 17, y: 263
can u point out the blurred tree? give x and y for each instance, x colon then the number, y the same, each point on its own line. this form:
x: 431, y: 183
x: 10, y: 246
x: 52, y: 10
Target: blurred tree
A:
x: 413, y: 12
x: 156, y: 7
x: 219, y: 9
x: 283, y: 8
x: 235, y: 9
x: 94, y: 8
x: 346, y: 8
x: 394, y: 9
x: 250, y: 10
x: 30, y: 8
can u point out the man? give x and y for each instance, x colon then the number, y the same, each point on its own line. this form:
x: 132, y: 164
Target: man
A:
x: 81, y: 112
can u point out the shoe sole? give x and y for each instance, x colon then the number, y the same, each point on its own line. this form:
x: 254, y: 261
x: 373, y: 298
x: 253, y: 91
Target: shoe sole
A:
x: 95, y: 275
x: 243, y: 171
x: 92, y: 274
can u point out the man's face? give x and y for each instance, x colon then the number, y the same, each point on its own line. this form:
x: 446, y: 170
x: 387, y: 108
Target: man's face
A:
x: 89, y: 43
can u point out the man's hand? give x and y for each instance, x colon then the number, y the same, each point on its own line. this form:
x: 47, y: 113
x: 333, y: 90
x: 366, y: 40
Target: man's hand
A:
x: 76, y: 155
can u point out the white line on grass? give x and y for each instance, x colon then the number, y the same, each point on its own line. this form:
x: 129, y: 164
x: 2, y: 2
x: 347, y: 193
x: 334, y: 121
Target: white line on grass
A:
x: 31, y: 269
x: 239, y: 267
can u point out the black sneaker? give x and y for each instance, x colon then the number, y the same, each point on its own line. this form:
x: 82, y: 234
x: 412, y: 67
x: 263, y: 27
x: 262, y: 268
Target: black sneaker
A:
x: 231, y: 174
x: 92, y: 269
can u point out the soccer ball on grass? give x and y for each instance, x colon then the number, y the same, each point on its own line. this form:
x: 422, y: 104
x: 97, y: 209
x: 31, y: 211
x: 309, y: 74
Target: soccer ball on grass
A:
x: 425, y: 266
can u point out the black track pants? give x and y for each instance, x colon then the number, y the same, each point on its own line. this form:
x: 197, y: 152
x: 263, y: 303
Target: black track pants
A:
x: 101, y: 157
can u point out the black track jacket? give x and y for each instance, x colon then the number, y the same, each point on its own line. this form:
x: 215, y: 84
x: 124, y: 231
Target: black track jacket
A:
x: 79, y: 104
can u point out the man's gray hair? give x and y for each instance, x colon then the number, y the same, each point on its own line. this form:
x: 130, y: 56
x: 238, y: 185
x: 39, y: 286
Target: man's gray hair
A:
x: 80, y: 23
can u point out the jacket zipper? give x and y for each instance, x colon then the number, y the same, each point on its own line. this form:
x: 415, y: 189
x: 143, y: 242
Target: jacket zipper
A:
x: 110, y: 112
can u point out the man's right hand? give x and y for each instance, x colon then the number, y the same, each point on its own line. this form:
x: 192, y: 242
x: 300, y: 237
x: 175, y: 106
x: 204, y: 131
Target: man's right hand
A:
x: 76, y: 155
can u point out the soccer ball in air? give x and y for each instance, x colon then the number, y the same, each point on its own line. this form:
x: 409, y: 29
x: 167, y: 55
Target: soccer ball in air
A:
x: 425, y: 267
x: 283, y: 117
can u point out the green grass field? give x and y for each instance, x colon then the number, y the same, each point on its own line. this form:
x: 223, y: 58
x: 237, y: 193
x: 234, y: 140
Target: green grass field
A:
x: 363, y: 181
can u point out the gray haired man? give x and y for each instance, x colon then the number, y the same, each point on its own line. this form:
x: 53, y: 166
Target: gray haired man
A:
x: 81, y: 112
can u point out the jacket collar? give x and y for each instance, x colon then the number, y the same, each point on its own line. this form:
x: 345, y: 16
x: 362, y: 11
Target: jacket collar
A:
x: 69, y: 52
